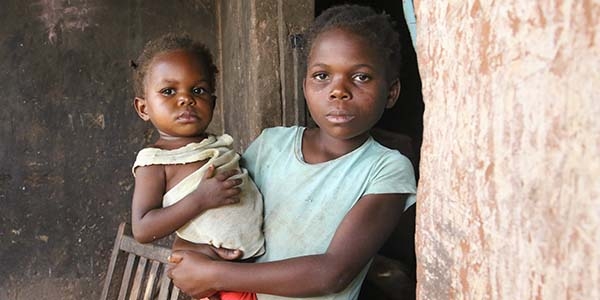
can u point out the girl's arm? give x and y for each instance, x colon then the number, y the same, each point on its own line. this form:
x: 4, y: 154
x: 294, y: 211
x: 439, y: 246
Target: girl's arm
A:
x: 360, y: 234
x: 150, y: 221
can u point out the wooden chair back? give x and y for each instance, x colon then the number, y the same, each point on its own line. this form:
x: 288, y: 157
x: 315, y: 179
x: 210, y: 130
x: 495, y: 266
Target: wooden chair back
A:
x: 137, y: 271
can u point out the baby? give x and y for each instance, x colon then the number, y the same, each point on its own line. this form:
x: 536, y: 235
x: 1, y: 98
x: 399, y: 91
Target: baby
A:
x: 189, y: 181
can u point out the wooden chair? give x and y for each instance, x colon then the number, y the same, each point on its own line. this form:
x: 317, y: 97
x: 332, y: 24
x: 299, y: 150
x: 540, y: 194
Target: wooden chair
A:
x: 137, y: 271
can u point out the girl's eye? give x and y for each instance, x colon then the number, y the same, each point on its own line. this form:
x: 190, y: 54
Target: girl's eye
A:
x: 168, y: 91
x: 361, y: 77
x: 199, y: 91
x: 320, y: 76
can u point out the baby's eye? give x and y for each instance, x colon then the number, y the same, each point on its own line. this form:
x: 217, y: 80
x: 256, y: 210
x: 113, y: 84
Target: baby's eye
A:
x: 168, y: 91
x: 320, y: 76
x: 199, y: 91
x: 361, y: 77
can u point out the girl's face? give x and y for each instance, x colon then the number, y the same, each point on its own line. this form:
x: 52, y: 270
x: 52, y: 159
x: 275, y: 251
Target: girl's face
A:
x: 178, y: 99
x: 346, y: 85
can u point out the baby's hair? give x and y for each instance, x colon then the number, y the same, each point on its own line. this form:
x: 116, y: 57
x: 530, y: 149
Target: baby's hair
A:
x: 377, y: 28
x: 166, y: 43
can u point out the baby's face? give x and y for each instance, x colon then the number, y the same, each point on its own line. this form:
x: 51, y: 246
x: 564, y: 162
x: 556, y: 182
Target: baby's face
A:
x: 179, y: 100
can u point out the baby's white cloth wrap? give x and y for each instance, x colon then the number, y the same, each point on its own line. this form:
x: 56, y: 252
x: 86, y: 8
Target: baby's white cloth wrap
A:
x: 237, y: 226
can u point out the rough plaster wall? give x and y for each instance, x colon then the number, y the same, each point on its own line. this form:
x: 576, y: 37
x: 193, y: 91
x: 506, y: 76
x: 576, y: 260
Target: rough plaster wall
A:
x: 69, y: 134
x: 509, y: 197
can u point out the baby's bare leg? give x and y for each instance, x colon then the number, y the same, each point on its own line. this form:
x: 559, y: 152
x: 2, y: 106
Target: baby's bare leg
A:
x: 181, y: 244
x: 208, y: 250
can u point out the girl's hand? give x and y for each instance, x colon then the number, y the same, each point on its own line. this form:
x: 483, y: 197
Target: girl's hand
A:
x: 217, y: 190
x: 192, y: 273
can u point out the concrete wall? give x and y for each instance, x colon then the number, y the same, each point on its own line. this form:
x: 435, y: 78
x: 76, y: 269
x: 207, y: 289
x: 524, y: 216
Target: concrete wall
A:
x: 69, y: 134
x: 509, y: 198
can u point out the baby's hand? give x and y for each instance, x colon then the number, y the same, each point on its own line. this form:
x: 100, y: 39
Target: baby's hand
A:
x: 217, y: 190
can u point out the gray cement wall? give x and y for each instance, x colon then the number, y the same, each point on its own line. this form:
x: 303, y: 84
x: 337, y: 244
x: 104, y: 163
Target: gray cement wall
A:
x: 68, y: 134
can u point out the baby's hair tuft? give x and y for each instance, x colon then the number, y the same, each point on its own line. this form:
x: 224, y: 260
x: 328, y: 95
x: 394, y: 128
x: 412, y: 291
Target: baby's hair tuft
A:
x: 166, y: 43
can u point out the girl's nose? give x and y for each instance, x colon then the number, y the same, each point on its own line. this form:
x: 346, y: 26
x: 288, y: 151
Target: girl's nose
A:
x: 339, y: 91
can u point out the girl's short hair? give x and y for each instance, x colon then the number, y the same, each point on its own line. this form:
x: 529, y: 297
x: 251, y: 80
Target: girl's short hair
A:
x: 377, y: 28
x: 166, y: 43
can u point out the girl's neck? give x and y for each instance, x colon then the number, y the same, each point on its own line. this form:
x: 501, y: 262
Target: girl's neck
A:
x: 317, y: 147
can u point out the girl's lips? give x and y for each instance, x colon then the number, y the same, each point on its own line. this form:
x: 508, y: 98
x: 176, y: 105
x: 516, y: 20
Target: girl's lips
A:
x: 339, y: 117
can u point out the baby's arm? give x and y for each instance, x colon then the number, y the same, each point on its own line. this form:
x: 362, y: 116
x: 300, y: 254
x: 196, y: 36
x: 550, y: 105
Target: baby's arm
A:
x: 357, y: 239
x: 150, y: 221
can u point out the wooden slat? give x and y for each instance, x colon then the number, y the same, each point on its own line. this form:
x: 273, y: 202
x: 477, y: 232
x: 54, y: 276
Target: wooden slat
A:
x: 112, y: 263
x: 126, y: 276
x: 165, y: 282
x: 150, y: 251
x: 139, y: 277
x: 151, y: 280
x: 174, y: 293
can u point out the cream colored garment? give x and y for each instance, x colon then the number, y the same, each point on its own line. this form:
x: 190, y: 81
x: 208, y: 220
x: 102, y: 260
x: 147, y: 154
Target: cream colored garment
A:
x: 237, y: 226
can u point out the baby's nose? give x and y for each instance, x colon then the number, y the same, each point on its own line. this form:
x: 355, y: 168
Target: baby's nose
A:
x: 186, y: 99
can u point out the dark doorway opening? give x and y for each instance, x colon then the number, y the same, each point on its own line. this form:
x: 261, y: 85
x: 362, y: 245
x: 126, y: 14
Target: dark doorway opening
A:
x: 405, y: 123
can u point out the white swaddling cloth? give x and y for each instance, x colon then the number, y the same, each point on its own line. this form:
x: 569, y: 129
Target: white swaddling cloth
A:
x: 236, y: 226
